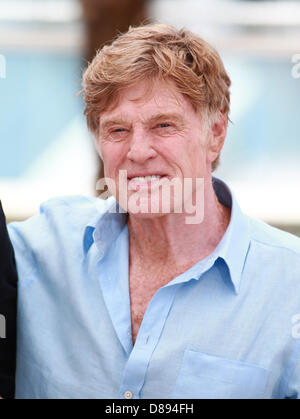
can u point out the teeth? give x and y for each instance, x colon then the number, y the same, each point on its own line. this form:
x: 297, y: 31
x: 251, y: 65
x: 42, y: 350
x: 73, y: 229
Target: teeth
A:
x: 145, y: 178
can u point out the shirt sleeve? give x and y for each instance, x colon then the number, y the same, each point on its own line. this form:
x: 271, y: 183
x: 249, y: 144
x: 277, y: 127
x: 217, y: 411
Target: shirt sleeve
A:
x: 8, y: 310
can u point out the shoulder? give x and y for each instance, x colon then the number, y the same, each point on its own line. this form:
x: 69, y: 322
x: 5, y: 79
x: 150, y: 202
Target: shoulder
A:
x: 55, y: 235
x: 273, y: 240
x: 75, y: 209
x: 61, y: 216
x: 272, y: 265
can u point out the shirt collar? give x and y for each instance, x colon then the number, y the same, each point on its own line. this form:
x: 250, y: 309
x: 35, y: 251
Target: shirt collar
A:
x: 233, y: 247
x: 103, y: 229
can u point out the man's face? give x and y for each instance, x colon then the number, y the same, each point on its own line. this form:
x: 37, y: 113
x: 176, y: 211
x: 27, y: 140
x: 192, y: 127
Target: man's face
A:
x: 153, y: 134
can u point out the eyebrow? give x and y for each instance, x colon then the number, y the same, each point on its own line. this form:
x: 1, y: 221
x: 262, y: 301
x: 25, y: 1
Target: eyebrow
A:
x: 169, y: 116
x: 114, y: 121
x: 153, y: 118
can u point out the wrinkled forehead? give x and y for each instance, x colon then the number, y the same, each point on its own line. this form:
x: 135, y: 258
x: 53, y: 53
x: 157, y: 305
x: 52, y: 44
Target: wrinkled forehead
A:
x: 146, y: 95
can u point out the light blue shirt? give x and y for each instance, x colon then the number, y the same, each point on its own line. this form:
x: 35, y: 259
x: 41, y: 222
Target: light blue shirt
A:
x: 226, y: 328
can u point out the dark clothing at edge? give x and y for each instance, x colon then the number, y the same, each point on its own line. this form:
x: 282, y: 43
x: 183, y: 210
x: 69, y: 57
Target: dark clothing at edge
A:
x: 8, y: 312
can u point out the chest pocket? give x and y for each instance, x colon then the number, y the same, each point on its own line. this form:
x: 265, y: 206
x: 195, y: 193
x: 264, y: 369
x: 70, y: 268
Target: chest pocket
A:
x: 207, y: 376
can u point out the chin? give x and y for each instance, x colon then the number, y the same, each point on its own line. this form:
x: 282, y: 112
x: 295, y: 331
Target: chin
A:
x: 148, y: 208
x: 147, y: 216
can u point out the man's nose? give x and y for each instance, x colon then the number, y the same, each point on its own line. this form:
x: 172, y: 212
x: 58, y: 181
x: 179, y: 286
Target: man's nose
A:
x: 140, y: 147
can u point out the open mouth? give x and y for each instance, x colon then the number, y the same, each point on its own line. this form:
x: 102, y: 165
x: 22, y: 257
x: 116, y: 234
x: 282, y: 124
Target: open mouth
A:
x: 145, y: 178
x: 144, y: 181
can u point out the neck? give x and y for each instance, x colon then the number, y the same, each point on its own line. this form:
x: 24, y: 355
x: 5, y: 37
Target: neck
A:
x: 168, y: 239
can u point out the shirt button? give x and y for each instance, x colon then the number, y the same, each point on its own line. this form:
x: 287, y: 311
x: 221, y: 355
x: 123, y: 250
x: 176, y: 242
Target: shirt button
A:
x: 128, y: 394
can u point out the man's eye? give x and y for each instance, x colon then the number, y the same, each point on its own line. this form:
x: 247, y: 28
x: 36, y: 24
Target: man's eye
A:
x: 116, y: 134
x: 119, y: 130
x: 163, y: 125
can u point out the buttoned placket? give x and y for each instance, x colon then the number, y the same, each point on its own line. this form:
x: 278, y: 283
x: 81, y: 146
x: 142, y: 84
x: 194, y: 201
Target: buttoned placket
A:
x: 116, y: 294
x: 147, y: 339
x: 149, y: 334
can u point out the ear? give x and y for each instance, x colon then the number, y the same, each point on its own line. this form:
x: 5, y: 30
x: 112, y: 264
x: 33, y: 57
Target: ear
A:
x: 218, y: 131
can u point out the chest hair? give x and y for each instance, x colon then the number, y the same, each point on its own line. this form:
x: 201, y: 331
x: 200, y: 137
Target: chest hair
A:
x: 144, y: 281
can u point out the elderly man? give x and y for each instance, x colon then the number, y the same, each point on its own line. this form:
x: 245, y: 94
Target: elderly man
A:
x: 166, y: 289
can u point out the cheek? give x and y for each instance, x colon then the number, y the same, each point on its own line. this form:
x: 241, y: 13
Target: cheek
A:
x: 112, y: 155
x: 195, y: 159
x: 178, y: 153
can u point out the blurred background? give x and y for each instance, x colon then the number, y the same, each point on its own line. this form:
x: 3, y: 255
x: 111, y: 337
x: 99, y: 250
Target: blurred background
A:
x: 45, y: 148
